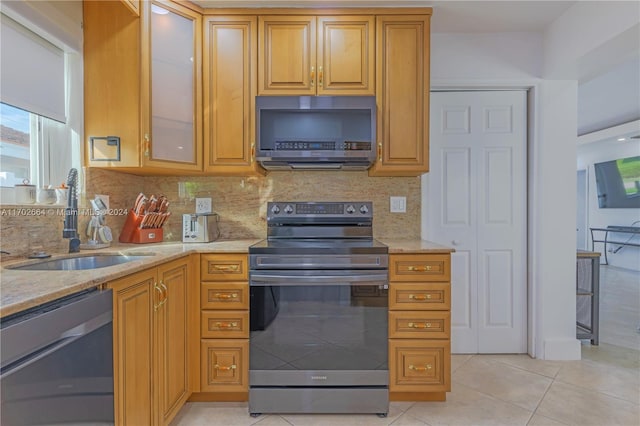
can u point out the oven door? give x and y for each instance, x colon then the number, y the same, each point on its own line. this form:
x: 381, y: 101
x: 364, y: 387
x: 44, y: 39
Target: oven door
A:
x: 325, y: 328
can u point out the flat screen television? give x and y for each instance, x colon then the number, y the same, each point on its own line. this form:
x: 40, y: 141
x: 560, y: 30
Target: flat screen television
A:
x: 618, y: 183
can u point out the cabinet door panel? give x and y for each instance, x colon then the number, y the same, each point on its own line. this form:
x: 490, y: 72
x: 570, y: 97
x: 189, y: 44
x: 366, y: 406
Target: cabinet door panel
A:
x: 402, y: 95
x: 346, y: 55
x: 172, y: 345
x: 171, y: 86
x: 224, y: 365
x: 419, y: 365
x: 132, y: 319
x: 230, y: 67
x: 287, y: 55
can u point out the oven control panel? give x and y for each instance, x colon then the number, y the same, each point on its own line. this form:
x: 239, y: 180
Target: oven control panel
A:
x: 324, y: 209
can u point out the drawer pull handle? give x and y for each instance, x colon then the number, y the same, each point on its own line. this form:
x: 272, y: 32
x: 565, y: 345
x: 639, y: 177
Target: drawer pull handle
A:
x: 223, y: 368
x: 420, y: 369
x: 419, y: 325
x: 226, y: 296
x: 420, y: 296
x: 226, y: 268
x: 226, y: 324
x: 424, y: 268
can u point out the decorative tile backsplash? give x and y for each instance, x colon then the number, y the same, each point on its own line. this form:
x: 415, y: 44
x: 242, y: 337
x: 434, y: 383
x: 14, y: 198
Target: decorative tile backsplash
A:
x: 240, y: 202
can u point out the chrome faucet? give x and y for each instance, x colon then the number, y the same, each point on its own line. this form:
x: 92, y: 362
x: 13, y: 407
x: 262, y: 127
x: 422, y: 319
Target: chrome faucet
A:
x: 70, y: 230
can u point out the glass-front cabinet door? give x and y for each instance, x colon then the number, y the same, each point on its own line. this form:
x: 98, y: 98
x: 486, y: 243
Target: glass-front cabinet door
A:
x: 171, y: 123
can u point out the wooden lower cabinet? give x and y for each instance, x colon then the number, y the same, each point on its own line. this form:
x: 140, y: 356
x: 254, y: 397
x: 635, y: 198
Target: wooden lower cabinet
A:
x: 151, y: 350
x: 224, y: 328
x: 419, y: 327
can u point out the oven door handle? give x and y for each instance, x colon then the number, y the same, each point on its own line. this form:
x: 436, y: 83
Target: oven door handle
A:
x: 264, y: 280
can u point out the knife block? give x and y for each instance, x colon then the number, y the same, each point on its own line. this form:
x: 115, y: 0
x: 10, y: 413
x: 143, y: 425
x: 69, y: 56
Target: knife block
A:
x: 132, y: 233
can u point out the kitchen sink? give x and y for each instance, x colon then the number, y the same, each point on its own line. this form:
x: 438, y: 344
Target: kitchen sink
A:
x: 81, y: 262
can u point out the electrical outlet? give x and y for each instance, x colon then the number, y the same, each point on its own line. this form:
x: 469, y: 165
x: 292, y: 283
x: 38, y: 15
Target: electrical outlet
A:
x: 398, y: 204
x: 203, y: 205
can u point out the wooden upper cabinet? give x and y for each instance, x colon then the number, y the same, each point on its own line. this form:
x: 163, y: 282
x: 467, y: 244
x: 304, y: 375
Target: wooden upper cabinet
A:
x: 402, y: 95
x: 143, y: 84
x: 308, y: 55
x: 171, y: 86
x: 230, y: 67
x: 346, y: 55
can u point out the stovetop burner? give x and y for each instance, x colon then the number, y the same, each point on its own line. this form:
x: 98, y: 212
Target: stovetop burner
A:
x: 319, y: 228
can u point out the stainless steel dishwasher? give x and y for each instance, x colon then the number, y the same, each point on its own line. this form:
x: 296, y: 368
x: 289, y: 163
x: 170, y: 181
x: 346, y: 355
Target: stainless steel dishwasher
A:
x: 56, y: 362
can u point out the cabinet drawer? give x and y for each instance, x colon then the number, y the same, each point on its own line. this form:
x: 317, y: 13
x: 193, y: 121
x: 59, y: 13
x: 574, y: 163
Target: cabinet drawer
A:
x: 224, y: 295
x: 419, y: 365
x: 419, y: 324
x: 416, y: 267
x: 224, y: 324
x: 223, y: 267
x: 416, y: 297
x: 224, y: 365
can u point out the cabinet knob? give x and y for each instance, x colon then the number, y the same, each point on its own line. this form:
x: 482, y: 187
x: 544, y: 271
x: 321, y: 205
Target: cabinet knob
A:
x: 226, y: 296
x: 313, y: 76
x: 420, y: 369
x: 225, y: 368
x: 419, y: 296
x: 226, y: 268
x: 226, y: 325
x: 424, y: 268
x: 419, y: 325
x: 319, y: 76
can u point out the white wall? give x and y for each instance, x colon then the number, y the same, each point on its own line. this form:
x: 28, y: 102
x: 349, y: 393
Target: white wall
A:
x: 597, y: 152
x: 515, y: 60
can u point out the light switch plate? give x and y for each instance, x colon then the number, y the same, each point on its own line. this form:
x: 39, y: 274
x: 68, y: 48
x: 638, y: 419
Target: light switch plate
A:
x: 398, y: 204
x: 203, y: 205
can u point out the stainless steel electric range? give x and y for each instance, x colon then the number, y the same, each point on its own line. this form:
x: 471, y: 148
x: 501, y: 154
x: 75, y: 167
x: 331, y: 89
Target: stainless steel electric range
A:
x: 318, y: 317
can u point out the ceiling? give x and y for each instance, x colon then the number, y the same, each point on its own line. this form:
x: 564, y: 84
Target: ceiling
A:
x: 449, y: 16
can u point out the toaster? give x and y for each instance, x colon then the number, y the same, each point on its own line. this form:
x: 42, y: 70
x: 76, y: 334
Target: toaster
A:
x: 200, y: 227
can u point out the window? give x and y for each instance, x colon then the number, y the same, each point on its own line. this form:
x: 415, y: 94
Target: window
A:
x: 15, y: 145
x: 40, y: 102
x: 33, y: 148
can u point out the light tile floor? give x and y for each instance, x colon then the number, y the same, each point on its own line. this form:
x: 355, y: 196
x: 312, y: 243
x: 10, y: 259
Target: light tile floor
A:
x: 602, y: 389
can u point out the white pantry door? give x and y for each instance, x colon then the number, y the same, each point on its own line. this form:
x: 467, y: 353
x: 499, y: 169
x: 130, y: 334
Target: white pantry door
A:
x: 476, y: 202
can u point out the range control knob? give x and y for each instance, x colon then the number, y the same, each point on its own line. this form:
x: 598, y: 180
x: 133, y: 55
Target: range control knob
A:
x: 275, y: 209
x: 364, y: 209
x: 288, y: 209
x: 351, y: 209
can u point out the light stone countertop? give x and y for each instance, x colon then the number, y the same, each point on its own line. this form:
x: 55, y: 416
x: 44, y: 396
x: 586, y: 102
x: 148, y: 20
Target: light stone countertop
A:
x: 20, y: 290
x: 414, y: 246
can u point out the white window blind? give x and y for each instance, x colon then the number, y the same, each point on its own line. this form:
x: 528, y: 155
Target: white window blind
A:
x: 31, y: 72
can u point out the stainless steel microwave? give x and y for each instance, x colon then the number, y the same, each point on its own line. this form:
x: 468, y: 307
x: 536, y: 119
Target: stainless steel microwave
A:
x: 316, y: 132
